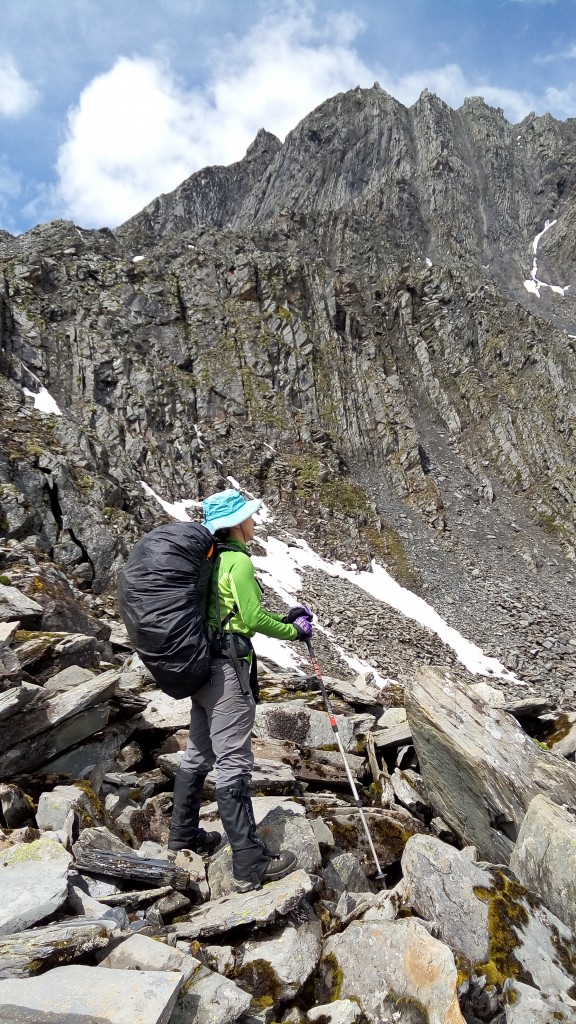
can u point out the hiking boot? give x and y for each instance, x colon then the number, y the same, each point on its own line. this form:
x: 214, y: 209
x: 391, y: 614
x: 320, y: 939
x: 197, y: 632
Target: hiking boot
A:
x: 184, y: 831
x: 253, y: 864
x: 281, y: 864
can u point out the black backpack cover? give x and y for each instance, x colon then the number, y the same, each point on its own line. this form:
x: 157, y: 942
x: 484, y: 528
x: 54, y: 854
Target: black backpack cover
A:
x: 163, y: 591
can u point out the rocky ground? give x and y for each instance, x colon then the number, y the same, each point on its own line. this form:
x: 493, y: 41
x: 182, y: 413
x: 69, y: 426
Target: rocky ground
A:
x: 470, y: 799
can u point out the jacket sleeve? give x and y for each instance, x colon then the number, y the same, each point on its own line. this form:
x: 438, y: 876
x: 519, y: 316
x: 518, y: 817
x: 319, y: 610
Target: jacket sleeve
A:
x: 246, y: 594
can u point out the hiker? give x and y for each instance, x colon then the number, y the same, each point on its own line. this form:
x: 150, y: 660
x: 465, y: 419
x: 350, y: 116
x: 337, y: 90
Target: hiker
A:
x: 223, y: 710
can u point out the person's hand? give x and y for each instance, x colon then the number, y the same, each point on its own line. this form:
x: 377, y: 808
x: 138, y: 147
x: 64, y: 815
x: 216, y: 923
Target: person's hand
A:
x: 298, y: 611
x: 303, y: 627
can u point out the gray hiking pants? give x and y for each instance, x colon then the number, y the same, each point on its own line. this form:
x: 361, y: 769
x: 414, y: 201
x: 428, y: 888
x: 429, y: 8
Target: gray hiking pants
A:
x: 221, y: 722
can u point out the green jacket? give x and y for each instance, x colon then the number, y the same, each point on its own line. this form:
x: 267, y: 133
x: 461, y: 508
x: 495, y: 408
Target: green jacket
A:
x: 237, y: 585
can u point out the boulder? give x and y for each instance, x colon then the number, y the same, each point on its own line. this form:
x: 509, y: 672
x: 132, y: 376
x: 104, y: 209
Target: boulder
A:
x: 280, y: 829
x: 68, y: 677
x: 259, y: 907
x: 295, y: 721
x: 33, y: 883
x: 17, y: 697
x: 15, y: 605
x: 392, y: 968
x: 54, y: 807
x: 261, y: 805
x: 526, y: 1005
x: 118, y: 997
x: 142, y: 953
x: 500, y: 928
x: 544, y: 858
x: 343, y: 873
x: 275, y: 968
x: 341, y: 1011
x: 479, y: 767
x: 209, y: 998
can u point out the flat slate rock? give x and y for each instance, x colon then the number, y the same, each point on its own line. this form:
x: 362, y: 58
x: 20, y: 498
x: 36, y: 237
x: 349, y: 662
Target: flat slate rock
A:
x: 96, y: 993
x: 479, y: 767
x: 14, y: 605
x: 33, y: 883
x: 258, y: 907
x: 544, y: 858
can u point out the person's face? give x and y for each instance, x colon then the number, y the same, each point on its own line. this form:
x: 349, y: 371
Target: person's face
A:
x: 248, y: 528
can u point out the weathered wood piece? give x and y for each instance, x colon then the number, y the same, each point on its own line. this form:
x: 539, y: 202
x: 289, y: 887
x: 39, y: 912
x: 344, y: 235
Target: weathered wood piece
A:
x: 380, y: 773
x: 135, y: 897
x: 480, y: 768
x: 32, y: 753
x: 48, y: 710
x: 139, y: 869
x: 26, y: 953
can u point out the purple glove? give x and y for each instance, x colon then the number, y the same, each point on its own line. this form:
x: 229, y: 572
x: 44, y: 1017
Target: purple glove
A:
x: 303, y: 627
x: 297, y: 611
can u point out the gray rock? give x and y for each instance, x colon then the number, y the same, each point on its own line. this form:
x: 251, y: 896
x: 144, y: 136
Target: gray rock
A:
x: 480, y: 768
x: 68, y: 677
x: 267, y: 776
x: 261, y: 805
x: 280, y: 964
x: 33, y: 883
x: 86, y: 906
x: 118, y: 997
x: 258, y: 907
x: 209, y: 998
x: 26, y: 953
x: 142, y: 953
x: 7, y: 631
x: 341, y: 1011
x: 220, y: 958
x: 544, y: 858
x: 380, y: 963
x: 14, y: 605
x: 343, y: 873
x: 17, y: 807
x: 526, y: 1005
x: 17, y: 697
x: 563, y: 739
x: 295, y: 721
x: 54, y: 807
x: 467, y: 900
x: 280, y: 829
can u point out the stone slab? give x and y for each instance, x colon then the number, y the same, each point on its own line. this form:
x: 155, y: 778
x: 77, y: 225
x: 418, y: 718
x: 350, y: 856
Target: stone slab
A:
x: 33, y: 883
x: 117, y: 997
x: 258, y: 907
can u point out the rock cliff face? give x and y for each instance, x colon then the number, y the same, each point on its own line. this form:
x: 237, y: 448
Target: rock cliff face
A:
x: 341, y: 323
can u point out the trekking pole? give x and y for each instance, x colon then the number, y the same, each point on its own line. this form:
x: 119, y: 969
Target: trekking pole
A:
x: 334, y: 724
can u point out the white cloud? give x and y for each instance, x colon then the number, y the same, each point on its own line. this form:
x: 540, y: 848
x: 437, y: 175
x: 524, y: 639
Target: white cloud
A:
x: 138, y: 131
x: 10, y: 190
x: 17, y: 96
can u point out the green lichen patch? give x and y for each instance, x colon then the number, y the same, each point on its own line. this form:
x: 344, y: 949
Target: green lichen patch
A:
x: 260, y: 979
x: 507, y: 916
x: 332, y: 976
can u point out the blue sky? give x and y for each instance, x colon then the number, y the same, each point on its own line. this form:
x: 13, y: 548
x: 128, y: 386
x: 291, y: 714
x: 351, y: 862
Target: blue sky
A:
x: 104, y: 104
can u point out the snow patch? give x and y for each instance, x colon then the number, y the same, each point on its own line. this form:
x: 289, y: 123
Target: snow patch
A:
x: 176, y: 509
x: 533, y: 285
x: 282, y: 564
x: 137, y: 259
x: 43, y: 401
